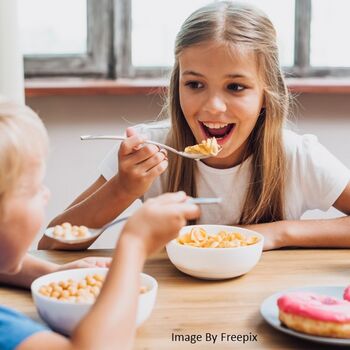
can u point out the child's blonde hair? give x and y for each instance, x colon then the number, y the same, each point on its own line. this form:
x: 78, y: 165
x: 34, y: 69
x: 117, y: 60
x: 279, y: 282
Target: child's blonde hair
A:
x: 240, y: 27
x: 23, y: 139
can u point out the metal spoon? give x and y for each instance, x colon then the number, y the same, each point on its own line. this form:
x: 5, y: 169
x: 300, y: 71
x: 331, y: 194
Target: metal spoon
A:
x: 94, y: 233
x: 161, y: 145
x: 202, y: 200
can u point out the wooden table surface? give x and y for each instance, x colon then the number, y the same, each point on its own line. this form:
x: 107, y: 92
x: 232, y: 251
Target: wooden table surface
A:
x: 190, y: 306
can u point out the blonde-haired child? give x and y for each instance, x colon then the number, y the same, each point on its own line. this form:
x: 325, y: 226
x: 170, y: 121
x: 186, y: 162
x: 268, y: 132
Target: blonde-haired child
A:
x: 111, y: 321
x: 227, y: 83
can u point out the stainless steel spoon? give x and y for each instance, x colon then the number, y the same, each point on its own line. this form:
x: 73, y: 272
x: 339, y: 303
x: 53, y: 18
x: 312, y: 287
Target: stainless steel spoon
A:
x: 161, y: 145
x: 93, y: 232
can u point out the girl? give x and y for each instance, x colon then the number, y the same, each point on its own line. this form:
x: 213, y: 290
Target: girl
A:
x: 111, y: 321
x: 227, y: 83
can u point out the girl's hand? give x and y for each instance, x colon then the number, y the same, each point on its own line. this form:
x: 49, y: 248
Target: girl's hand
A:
x: 159, y: 220
x: 139, y: 164
x: 274, y: 234
x: 85, y: 262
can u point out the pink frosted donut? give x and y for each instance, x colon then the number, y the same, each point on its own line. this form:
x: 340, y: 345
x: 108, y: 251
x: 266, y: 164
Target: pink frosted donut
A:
x: 346, y: 294
x: 315, y: 314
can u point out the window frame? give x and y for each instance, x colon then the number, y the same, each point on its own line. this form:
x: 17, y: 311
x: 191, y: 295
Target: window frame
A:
x: 109, y: 48
x: 302, y: 49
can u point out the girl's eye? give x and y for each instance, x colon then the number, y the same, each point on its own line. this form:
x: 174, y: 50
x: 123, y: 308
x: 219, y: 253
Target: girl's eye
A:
x: 194, y: 85
x: 235, y: 87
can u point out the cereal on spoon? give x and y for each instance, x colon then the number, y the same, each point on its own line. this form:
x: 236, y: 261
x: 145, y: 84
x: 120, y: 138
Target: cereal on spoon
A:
x: 70, y: 232
x: 206, y: 147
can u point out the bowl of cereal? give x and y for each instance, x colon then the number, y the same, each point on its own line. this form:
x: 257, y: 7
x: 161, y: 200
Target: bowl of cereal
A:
x: 215, y: 251
x: 63, y: 298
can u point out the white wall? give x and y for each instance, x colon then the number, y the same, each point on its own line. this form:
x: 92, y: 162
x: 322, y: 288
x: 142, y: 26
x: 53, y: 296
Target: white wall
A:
x: 72, y: 165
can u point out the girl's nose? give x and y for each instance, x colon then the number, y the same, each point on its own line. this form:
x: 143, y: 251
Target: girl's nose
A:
x: 215, y: 104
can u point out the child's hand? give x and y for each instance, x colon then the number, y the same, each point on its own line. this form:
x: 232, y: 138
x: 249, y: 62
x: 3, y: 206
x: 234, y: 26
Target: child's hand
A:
x: 139, y: 164
x: 159, y: 220
x: 86, y: 262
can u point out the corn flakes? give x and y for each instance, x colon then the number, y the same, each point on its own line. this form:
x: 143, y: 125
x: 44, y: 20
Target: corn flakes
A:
x: 199, y: 238
x: 206, y: 147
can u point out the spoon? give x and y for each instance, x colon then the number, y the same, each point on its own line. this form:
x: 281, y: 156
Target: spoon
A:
x: 202, y: 200
x: 121, y: 138
x: 93, y: 232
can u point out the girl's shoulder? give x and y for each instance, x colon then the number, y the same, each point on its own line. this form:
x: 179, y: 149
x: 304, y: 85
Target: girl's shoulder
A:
x: 300, y: 144
x: 305, y: 152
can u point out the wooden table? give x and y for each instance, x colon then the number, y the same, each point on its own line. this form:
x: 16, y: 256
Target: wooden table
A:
x: 187, y: 305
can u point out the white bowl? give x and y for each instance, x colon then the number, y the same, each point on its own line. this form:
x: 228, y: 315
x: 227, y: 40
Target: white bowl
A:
x: 63, y: 316
x: 215, y: 263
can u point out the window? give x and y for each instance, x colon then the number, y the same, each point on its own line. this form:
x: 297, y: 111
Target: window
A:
x: 153, y: 37
x: 330, y: 27
x: 135, y: 38
x: 64, y: 37
x: 53, y: 31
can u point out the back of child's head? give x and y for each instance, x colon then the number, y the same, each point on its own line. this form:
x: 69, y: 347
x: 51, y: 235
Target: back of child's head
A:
x: 240, y: 28
x: 23, y: 141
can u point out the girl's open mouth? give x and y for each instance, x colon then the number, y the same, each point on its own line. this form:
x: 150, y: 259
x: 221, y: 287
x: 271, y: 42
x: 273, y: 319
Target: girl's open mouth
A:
x: 220, y: 131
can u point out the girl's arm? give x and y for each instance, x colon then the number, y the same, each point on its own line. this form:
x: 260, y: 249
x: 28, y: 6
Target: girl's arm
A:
x: 99, y: 204
x: 33, y: 268
x: 333, y: 233
x: 139, y: 165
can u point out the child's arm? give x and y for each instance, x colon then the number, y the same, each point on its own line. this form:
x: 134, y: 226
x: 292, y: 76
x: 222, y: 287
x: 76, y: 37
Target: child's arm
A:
x: 33, y: 267
x: 139, y: 166
x: 332, y: 233
x: 111, y: 322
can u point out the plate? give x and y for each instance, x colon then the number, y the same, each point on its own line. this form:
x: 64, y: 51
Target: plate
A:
x: 269, y: 312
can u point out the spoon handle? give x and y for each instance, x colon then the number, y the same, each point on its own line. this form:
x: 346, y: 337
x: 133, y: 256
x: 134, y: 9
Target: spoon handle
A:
x: 198, y: 200
x: 122, y: 138
x: 102, y: 137
x: 202, y: 200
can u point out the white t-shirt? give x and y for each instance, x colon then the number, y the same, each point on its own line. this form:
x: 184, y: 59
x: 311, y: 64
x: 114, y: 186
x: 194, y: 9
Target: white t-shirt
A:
x: 315, y: 178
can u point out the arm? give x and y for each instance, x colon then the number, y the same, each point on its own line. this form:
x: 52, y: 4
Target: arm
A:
x: 106, y: 199
x: 111, y: 321
x: 33, y: 268
x: 310, y: 233
x: 139, y: 166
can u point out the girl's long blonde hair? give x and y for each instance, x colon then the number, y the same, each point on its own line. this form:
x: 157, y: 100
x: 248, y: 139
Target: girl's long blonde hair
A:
x: 238, y: 26
x: 23, y: 139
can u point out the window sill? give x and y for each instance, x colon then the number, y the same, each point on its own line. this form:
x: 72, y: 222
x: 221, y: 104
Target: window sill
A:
x: 79, y: 86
